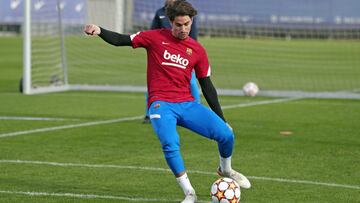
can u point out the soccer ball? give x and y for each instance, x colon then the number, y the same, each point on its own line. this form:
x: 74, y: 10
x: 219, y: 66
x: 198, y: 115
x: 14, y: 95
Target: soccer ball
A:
x: 250, y: 89
x: 225, y: 190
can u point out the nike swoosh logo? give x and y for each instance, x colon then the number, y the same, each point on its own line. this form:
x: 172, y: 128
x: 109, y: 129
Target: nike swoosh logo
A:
x: 161, y: 17
x: 165, y: 43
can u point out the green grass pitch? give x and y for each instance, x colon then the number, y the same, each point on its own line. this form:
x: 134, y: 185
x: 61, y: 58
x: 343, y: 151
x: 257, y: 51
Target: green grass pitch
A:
x: 88, y: 154
x: 302, y: 65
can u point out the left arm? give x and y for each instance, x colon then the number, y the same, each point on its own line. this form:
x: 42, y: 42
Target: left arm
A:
x: 108, y: 36
x: 210, y: 95
x: 115, y: 38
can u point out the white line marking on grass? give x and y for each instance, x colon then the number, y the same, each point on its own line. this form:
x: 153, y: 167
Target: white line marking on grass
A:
x: 273, y: 101
x: 86, y: 196
x: 168, y: 171
x: 70, y: 126
x: 84, y: 165
x: 308, y: 182
x: 130, y: 119
x: 32, y: 118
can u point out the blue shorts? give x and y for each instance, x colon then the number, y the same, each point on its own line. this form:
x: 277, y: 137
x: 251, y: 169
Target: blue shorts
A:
x: 165, y: 116
x: 194, y: 89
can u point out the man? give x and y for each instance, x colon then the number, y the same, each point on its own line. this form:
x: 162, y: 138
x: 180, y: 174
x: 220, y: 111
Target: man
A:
x: 159, y: 21
x: 171, y: 57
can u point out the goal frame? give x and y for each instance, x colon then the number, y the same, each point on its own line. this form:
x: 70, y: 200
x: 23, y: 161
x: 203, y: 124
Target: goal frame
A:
x: 26, y: 83
x: 27, y: 57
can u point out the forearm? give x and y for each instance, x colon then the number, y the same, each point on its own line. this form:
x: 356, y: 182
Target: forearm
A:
x: 210, y: 95
x: 115, y: 38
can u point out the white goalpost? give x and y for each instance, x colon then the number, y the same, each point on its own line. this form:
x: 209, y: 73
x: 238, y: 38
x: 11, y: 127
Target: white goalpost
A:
x: 296, y: 50
x: 54, y: 41
x: 44, y: 50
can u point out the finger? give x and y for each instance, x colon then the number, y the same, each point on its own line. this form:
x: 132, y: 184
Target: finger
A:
x: 87, y: 29
x: 87, y: 32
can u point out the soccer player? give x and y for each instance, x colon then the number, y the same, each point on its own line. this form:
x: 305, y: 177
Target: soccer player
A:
x: 171, y: 57
x: 159, y: 21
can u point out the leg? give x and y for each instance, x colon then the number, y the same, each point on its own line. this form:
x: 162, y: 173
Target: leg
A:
x: 205, y: 122
x: 214, y: 127
x: 164, y: 119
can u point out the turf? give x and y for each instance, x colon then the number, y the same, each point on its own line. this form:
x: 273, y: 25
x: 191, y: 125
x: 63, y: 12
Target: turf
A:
x: 306, y: 65
x: 123, y: 162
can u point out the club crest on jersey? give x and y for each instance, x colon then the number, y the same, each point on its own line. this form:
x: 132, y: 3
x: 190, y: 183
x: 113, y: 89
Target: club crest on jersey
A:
x: 176, y: 60
x: 188, y: 51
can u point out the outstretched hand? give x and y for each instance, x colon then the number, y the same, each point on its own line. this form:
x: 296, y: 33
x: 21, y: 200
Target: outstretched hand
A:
x: 91, y: 29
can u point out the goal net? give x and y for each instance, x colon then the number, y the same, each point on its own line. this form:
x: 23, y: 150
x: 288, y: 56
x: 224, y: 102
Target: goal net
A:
x: 289, y: 48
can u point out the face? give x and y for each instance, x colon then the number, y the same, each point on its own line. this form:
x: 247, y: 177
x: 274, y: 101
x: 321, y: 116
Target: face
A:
x: 181, y: 27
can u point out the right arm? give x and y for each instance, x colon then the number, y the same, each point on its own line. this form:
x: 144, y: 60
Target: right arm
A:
x: 110, y: 37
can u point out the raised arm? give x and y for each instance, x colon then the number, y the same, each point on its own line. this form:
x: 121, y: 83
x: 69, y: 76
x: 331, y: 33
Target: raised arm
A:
x: 110, y: 37
x: 210, y: 95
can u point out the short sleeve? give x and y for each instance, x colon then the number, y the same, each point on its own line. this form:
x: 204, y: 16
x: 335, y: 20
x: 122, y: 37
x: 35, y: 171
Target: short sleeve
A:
x: 141, y: 39
x: 202, y: 68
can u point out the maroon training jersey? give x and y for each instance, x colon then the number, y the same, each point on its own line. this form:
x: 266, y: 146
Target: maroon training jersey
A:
x: 169, y: 64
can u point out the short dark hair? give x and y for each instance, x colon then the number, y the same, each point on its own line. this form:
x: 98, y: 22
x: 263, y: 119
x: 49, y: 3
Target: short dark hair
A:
x: 180, y: 8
